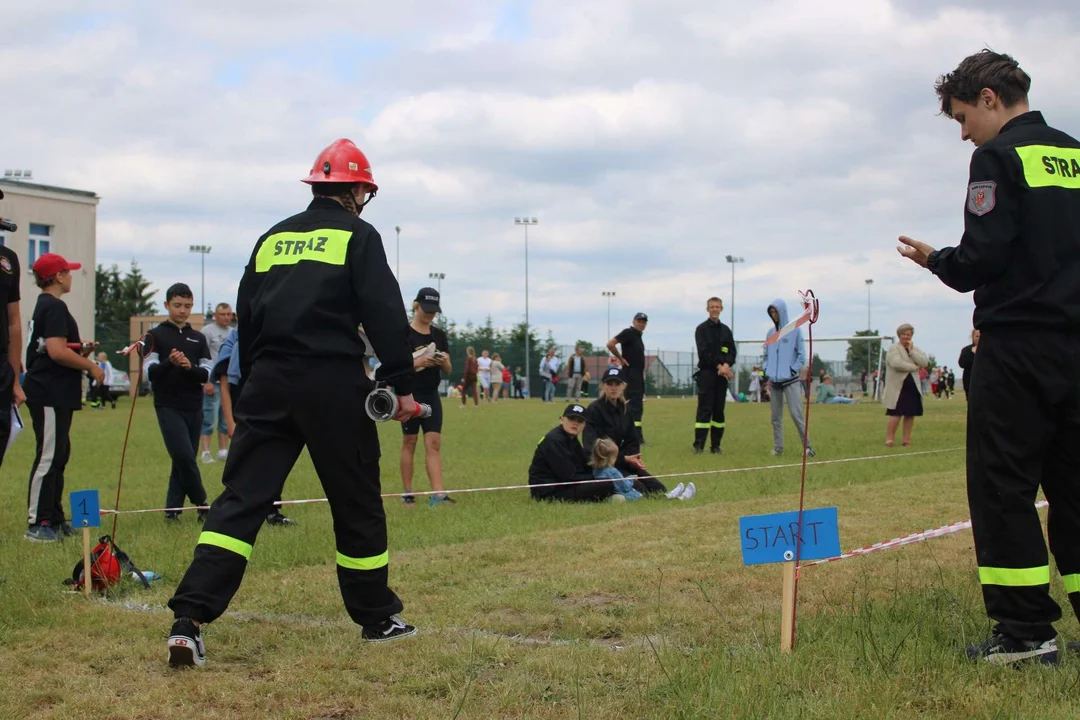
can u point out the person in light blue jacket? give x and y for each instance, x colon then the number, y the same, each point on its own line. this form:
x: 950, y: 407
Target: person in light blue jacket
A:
x: 785, y: 367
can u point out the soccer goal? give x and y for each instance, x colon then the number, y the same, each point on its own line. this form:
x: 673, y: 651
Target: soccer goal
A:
x: 844, y: 359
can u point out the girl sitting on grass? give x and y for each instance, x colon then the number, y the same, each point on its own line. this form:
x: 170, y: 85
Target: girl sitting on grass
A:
x: 605, y: 453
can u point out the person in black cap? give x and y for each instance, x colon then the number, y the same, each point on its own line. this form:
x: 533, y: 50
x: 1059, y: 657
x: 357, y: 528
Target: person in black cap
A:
x: 431, y: 355
x: 559, y: 457
x: 11, y: 392
x: 609, y: 417
x: 632, y: 358
x: 716, y: 355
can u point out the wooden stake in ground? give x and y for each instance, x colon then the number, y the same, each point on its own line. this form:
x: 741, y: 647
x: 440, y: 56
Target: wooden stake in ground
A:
x: 787, y: 608
x: 87, y: 579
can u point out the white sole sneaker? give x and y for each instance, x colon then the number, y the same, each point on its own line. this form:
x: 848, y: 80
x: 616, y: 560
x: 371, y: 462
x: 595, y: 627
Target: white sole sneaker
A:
x: 185, y: 651
x: 676, y: 492
x: 689, y: 492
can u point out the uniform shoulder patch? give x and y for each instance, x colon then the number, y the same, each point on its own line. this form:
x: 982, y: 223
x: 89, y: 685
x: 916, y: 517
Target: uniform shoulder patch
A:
x: 982, y: 196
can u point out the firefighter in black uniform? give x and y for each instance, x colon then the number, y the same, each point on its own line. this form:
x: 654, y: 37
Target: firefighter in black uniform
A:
x: 632, y: 358
x: 716, y: 355
x: 1020, y: 253
x: 312, y: 279
x: 11, y: 347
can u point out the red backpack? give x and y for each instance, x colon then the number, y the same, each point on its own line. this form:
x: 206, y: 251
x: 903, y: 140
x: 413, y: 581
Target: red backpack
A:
x: 107, y: 566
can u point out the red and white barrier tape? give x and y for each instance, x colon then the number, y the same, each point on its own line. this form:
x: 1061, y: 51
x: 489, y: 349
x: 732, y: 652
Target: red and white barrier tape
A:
x: 901, y: 541
x: 458, y: 491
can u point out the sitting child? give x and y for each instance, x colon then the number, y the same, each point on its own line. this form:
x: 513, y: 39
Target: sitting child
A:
x: 604, y: 455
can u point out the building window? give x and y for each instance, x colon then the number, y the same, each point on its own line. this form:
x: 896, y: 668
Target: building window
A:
x: 40, y: 241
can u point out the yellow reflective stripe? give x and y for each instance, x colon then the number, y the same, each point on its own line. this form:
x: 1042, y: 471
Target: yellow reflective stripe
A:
x: 288, y: 248
x: 1015, y: 577
x: 637, y: 423
x: 1072, y: 582
x: 701, y: 426
x: 1048, y: 166
x: 719, y: 425
x: 224, y: 541
x: 368, y: 563
x: 723, y: 349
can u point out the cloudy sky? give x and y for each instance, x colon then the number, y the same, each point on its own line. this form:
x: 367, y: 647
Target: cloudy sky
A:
x: 649, y: 138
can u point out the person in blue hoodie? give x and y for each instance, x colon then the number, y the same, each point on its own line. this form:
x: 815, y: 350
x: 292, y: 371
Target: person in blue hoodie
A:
x: 785, y: 365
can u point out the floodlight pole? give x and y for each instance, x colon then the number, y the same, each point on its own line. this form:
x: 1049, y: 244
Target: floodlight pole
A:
x: 608, y: 294
x: 734, y: 261
x: 203, y: 251
x: 869, y: 282
x: 527, y: 221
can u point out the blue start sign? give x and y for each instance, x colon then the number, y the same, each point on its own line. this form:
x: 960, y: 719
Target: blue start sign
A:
x: 773, y: 538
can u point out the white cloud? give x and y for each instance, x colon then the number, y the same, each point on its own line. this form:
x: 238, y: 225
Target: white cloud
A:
x: 651, y: 138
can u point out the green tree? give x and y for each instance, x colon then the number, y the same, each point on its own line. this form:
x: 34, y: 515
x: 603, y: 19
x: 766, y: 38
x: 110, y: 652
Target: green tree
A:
x: 118, y: 298
x: 857, y: 354
x: 817, y: 365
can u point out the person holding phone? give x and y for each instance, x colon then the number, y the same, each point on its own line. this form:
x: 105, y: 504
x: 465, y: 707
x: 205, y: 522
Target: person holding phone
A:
x: 431, y: 356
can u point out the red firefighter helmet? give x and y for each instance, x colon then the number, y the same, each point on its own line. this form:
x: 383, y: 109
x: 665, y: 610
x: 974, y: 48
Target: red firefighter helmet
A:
x: 342, y: 162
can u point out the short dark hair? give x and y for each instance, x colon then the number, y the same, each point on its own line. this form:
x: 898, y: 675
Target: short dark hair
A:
x: 44, y: 282
x: 714, y: 299
x: 985, y: 69
x: 178, y: 290
x: 332, y: 189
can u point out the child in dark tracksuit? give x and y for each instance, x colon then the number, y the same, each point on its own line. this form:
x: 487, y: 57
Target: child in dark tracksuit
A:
x: 178, y: 364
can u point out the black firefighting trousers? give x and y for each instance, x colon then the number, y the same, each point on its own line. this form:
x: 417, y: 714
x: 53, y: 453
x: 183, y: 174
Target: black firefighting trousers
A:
x: 1024, y: 431
x: 289, y: 404
x: 711, y: 400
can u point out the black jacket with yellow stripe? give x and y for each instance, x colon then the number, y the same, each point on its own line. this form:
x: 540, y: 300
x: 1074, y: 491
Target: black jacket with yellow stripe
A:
x: 1020, y: 251
x: 312, y: 279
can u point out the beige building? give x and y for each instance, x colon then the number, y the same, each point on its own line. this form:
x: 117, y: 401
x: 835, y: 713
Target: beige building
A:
x: 58, y: 220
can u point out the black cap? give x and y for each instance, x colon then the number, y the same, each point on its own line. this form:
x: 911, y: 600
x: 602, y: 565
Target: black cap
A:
x: 428, y: 299
x: 574, y: 410
x: 642, y: 316
x: 613, y: 373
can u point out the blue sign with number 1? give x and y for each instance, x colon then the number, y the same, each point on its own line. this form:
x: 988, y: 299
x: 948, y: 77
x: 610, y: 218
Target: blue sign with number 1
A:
x: 85, y: 509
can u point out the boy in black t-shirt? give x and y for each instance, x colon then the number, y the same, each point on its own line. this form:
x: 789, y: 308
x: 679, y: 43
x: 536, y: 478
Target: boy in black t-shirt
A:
x: 178, y: 364
x: 53, y: 387
x: 431, y: 354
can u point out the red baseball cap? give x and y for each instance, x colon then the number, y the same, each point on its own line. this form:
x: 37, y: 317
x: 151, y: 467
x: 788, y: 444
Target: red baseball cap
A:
x: 50, y: 264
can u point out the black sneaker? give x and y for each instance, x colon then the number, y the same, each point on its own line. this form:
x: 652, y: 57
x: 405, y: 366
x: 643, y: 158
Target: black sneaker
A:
x: 810, y: 453
x: 716, y: 450
x: 172, y: 517
x: 64, y: 530
x: 277, y: 518
x: 1004, y: 650
x: 408, y: 500
x: 698, y: 449
x: 40, y: 532
x: 391, y: 628
x: 200, y: 515
x: 186, y: 647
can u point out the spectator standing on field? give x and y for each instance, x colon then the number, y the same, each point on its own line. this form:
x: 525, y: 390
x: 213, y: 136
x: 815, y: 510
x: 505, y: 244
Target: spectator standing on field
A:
x: 575, y: 374
x: 632, y: 357
x: 468, y: 379
x: 902, y: 398
x: 53, y: 386
x: 785, y: 368
x: 549, y: 367
x: 178, y: 364
x: 215, y: 335
x: 967, y: 360
x: 483, y: 374
x: 99, y: 391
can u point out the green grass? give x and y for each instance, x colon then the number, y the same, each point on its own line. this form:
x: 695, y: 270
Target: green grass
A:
x: 536, y: 610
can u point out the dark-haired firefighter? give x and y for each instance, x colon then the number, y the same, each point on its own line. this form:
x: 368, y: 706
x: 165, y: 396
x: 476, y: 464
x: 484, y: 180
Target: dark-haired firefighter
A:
x: 716, y: 355
x: 312, y: 280
x: 1020, y: 253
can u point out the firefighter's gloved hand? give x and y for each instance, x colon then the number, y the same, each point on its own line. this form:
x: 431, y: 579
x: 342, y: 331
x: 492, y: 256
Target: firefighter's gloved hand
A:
x: 406, y: 408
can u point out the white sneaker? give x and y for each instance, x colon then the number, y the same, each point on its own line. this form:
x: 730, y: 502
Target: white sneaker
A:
x: 676, y: 492
x: 689, y: 492
x: 206, y: 457
x: 222, y: 454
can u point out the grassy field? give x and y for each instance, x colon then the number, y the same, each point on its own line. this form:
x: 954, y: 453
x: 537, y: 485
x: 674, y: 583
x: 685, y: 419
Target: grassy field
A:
x: 532, y: 610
